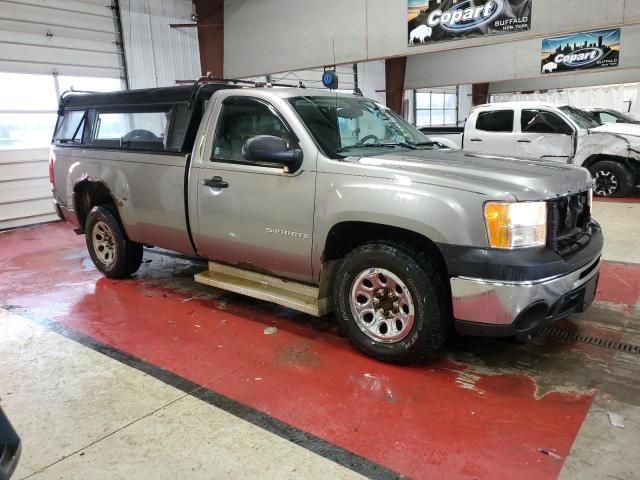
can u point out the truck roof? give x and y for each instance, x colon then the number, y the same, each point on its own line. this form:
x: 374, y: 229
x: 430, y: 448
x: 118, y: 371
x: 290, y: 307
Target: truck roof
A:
x: 174, y: 95
x: 521, y: 104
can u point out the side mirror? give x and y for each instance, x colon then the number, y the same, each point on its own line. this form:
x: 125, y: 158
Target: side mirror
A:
x: 271, y: 149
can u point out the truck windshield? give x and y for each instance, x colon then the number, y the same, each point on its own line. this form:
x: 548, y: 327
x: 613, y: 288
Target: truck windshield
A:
x: 344, y: 126
x: 581, y: 118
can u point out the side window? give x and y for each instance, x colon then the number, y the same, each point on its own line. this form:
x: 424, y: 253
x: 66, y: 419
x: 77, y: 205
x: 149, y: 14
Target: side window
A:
x: 241, y: 119
x: 72, y: 127
x: 539, y: 121
x: 496, y: 121
x: 133, y: 130
x: 607, y: 118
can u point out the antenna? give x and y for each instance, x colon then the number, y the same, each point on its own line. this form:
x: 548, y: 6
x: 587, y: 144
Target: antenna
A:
x: 333, y: 43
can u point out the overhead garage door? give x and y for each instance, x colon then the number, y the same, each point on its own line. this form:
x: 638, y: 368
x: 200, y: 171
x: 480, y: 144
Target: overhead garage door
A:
x: 46, y: 47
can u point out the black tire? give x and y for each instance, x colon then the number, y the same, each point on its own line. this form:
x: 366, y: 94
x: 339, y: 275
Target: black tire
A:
x: 126, y: 256
x: 427, y: 286
x: 612, y: 179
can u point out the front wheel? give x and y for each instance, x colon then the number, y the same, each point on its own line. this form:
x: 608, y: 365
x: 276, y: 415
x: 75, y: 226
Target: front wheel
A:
x: 112, y: 253
x: 392, y: 302
x: 612, y: 179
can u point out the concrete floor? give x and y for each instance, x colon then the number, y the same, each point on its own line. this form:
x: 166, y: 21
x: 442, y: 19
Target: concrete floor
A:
x: 158, y: 377
x: 621, y: 225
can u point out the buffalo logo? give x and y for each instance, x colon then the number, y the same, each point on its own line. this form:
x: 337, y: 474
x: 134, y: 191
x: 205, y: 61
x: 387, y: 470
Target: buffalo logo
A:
x: 580, y: 58
x: 464, y: 16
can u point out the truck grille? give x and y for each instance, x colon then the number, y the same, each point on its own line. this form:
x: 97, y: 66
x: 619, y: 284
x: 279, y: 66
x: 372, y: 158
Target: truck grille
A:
x: 568, y: 223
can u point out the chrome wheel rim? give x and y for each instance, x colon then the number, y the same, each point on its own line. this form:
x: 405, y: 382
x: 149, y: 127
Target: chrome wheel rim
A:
x: 382, y: 305
x: 103, y: 243
x: 606, y: 183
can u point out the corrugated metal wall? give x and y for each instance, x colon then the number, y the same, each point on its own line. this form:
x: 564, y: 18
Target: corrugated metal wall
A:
x: 47, y: 37
x: 372, y: 81
x: 158, y: 55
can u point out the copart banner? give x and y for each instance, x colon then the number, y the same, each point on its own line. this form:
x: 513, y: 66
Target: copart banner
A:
x: 581, y: 51
x: 433, y: 21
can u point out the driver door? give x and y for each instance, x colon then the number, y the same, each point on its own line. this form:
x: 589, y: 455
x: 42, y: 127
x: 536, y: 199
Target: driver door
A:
x: 250, y: 214
x: 544, y: 134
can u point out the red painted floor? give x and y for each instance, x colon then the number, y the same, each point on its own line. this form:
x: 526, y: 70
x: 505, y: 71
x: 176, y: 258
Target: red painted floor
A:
x: 633, y: 199
x: 620, y: 285
x: 437, y: 420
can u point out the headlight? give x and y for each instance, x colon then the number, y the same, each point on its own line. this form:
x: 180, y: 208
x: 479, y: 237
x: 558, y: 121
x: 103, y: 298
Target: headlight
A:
x: 516, y: 225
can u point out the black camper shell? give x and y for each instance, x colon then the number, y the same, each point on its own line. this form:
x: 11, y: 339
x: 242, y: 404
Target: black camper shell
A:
x: 79, y: 116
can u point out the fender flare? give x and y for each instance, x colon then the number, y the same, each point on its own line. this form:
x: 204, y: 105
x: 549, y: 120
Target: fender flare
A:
x: 599, y: 157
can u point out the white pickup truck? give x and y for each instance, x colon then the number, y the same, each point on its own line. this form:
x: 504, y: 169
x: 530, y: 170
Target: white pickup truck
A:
x: 544, y: 131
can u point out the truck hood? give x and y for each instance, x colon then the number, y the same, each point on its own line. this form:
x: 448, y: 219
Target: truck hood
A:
x: 493, y: 176
x: 624, y: 129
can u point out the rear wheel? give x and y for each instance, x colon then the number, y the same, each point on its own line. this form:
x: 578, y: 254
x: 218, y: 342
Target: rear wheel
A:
x: 392, y: 302
x: 112, y: 253
x: 612, y: 179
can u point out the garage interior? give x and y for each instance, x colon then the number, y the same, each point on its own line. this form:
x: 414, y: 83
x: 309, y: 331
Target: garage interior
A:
x: 156, y: 375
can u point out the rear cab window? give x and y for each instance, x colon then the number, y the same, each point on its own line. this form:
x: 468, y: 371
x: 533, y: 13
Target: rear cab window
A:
x: 495, y: 121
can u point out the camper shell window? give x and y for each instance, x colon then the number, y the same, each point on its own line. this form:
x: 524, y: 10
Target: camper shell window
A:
x: 72, y: 126
x: 154, y: 120
x: 133, y: 130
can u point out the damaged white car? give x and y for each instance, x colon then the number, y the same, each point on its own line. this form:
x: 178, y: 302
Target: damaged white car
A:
x: 544, y: 131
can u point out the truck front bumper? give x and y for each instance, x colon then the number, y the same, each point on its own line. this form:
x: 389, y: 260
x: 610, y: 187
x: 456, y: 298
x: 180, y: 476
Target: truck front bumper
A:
x: 497, y: 308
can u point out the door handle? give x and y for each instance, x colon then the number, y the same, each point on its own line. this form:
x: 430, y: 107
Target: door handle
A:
x: 476, y: 140
x: 524, y: 141
x: 216, y: 182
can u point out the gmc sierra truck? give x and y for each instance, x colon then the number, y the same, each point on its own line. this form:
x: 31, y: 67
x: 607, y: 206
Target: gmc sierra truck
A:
x: 564, y: 134
x: 323, y: 201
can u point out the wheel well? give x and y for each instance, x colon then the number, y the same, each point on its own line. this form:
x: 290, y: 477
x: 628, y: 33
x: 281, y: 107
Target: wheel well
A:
x: 347, y: 236
x: 88, y: 194
x: 593, y: 159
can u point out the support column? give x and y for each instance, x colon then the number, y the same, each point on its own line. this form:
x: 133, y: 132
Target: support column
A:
x: 395, y: 69
x: 210, y: 15
x: 480, y: 93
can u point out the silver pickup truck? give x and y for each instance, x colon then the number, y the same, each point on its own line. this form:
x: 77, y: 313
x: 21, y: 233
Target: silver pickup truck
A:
x: 323, y: 201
